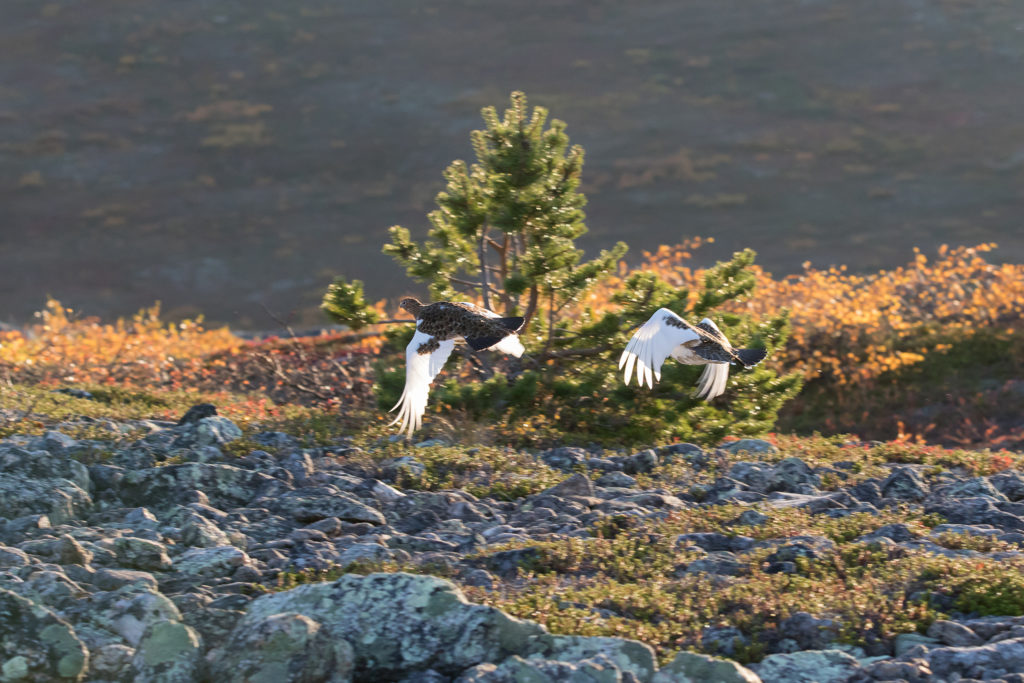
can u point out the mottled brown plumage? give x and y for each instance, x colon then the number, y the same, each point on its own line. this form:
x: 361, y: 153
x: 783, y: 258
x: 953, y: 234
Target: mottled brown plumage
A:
x: 437, y: 328
x: 445, y: 320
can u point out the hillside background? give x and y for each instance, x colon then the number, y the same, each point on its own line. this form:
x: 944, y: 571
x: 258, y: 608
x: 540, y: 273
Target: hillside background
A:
x: 218, y: 155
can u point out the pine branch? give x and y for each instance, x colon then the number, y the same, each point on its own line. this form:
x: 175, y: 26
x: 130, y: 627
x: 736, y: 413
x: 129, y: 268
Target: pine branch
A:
x: 467, y: 283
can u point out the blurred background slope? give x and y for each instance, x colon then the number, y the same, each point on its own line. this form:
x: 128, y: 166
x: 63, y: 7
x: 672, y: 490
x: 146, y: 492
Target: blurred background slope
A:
x: 217, y: 155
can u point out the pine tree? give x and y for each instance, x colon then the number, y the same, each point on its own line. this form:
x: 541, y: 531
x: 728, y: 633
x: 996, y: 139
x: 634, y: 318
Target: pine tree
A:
x: 504, y: 234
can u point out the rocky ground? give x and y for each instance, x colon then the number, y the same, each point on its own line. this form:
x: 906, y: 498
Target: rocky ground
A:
x: 178, y: 556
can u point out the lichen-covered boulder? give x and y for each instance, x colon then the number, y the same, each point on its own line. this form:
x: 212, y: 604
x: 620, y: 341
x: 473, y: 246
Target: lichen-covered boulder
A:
x: 398, y: 623
x: 821, y: 666
x: 46, y: 461
x: 689, y: 667
x: 216, y: 430
x: 59, y: 499
x: 111, y: 662
x: 37, y: 645
x: 200, y: 532
x: 129, y: 611
x: 211, y: 562
x: 314, y: 503
x: 226, y: 486
x: 985, y: 662
x: 793, y: 475
x: 169, y: 652
x: 905, y: 483
x: 141, y: 553
x: 284, y: 647
x: 627, y: 655
x: 516, y: 669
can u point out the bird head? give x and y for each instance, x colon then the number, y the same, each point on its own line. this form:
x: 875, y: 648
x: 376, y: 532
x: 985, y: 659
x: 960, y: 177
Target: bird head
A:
x: 411, y: 305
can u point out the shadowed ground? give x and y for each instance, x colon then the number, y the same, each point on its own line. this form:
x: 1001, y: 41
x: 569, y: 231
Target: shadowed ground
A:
x: 216, y: 155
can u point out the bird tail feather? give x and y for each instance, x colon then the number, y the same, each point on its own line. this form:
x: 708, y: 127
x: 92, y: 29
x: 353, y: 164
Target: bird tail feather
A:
x: 751, y: 357
x: 513, y: 323
x: 481, y: 343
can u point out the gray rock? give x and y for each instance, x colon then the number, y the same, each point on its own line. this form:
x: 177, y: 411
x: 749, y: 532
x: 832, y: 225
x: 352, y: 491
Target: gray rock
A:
x: 751, y: 518
x: 36, y: 645
x: 398, y: 623
x: 913, y: 671
x: 687, y: 452
x: 225, y: 485
x: 616, y: 479
x: 979, y: 486
x: 808, y: 631
x: 169, y: 652
x: 640, y: 463
x: 821, y: 666
x: 515, y: 669
x: 215, y: 431
x: 70, y: 551
x: 311, y: 504
x: 628, y: 655
x: 200, y: 532
x: 211, y: 562
x: 954, y: 634
x: 576, y: 485
x: 1009, y: 483
x: 112, y: 579
x: 894, y: 532
x: 283, y: 647
x: 904, y: 642
x: 905, y: 484
x: 715, y: 541
x: 59, y: 499
x: 793, y: 475
x: 112, y: 662
x: 978, y: 662
x: 52, y: 589
x: 365, y: 552
x: 129, y: 610
x: 756, y: 475
x: 976, y: 511
x: 141, y: 553
x: 12, y: 557
x: 689, y: 667
x: 723, y: 640
x: 564, y: 458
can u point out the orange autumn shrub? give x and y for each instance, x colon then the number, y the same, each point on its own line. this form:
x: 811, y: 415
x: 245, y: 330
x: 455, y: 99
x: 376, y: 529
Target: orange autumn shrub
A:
x: 850, y: 328
x: 142, y: 349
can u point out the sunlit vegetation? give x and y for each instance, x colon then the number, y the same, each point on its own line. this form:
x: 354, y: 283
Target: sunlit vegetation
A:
x: 930, y: 351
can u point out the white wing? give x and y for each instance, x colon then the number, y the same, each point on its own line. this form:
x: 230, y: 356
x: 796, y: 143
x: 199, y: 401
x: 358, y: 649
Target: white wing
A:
x: 712, y: 380
x: 652, y: 344
x: 420, y: 371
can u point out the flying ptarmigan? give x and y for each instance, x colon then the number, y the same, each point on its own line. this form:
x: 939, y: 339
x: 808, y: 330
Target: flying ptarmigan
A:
x: 666, y: 334
x: 438, y: 325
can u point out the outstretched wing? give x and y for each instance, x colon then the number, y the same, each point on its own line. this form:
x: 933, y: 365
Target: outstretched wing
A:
x: 424, y: 358
x: 653, y: 343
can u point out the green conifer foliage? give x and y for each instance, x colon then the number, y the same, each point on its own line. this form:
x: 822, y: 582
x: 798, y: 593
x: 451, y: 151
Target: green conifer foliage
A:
x: 504, y: 231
